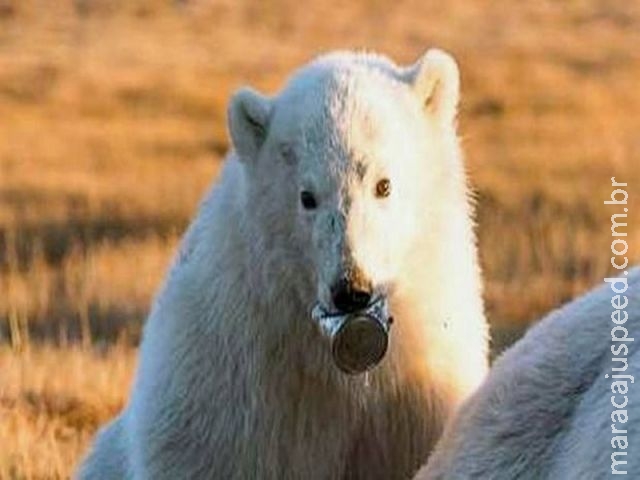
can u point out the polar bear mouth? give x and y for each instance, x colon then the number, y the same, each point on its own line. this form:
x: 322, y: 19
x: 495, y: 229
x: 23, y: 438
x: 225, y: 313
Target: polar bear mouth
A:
x: 358, y: 340
x: 378, y: 307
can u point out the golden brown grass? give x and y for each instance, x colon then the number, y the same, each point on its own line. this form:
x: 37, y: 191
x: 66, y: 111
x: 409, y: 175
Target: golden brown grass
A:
x: 52, y: 400
x: 112, y: 125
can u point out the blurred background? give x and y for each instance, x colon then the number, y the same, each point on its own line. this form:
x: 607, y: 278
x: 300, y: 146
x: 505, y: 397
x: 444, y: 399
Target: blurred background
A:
x: 112, y: 125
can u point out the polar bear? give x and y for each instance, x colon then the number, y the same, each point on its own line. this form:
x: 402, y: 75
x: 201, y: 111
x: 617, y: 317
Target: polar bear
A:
x: 345, y: 188
x: 560, y: 403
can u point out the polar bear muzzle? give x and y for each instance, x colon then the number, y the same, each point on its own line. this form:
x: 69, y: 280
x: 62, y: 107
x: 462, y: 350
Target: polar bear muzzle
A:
x: 358, y: 340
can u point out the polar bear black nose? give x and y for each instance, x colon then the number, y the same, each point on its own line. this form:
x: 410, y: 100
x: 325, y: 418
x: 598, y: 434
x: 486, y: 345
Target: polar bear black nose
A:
x: 348, y: 297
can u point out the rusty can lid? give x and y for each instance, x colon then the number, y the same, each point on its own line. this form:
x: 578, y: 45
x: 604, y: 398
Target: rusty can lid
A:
x: 359, y: 344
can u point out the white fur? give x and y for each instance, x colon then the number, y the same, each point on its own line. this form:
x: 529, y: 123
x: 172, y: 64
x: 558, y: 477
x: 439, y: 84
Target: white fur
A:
x: 235, y: 381
x: 545, y: 408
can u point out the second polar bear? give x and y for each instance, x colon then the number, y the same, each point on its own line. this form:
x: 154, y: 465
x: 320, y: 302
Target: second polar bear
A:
x: 560, y: 403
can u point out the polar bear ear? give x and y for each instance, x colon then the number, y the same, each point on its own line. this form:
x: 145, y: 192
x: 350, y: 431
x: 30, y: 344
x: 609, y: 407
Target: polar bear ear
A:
x: 436, y: 80
x: 248, y: 116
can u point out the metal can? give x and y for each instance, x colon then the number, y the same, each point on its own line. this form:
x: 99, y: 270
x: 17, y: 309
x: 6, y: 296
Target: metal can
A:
x: 359, y: 340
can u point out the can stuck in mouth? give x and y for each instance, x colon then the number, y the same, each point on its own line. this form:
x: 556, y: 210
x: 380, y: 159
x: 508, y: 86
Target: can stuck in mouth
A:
x: 359, y: 340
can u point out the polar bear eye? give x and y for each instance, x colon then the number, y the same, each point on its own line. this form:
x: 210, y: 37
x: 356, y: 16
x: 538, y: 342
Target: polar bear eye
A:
x: 308, y: 200
x: 383, y: 188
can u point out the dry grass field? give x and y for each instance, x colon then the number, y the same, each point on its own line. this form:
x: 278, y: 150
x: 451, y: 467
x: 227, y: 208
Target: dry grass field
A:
x: 112, y: 124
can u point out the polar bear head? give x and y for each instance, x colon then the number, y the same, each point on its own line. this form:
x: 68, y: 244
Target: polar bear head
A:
x: 343, y: 167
